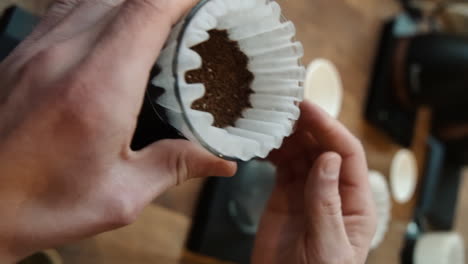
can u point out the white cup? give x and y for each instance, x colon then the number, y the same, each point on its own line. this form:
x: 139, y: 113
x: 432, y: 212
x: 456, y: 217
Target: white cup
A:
x: 440, y: 248
x: 323, y: 86
x: 403, y: 176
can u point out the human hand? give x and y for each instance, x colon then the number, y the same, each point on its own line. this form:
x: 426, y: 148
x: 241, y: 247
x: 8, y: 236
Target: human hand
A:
x: 321, y: 210
x: 69, y: 101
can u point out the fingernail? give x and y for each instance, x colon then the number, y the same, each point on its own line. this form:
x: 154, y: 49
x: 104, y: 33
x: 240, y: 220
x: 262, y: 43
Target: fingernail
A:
x: 331, y: 168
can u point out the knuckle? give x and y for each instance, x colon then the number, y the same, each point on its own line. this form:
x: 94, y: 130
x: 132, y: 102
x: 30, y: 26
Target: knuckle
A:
x: 62, y: 6
x: 38, y: 65
x: 111, y: 3
x: 330, y: 128
x: 75, y: 111
x: 80, y: 99
x: 331, y: 206
x: 359, y: 145
x: 181, y: 169
x: 122, y: 211
x: 158, y: 5
x: 175, y: 162
x: 39, y: 68
x: 153, y: 6
x: 48, y: 56
x: 74, y: 93
x: 74, y: 100
x: 170, y: 10
x: 66, y: 3
x: 81, y: 105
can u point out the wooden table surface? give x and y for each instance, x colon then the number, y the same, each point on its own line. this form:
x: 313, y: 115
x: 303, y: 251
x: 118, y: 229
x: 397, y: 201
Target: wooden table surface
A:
x: 343, y: 31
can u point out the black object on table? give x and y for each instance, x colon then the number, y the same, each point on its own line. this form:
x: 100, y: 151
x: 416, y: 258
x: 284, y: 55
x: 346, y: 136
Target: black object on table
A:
x: 438, y: 198
x: 15, y: 25
x: 436, y: 68
x: 213, y: 232
x: 382, y: 109
x: 229, y: 212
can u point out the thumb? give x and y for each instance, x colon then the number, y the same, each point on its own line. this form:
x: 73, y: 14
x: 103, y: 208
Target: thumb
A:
x: 176, y: 161
x: 324, y: 219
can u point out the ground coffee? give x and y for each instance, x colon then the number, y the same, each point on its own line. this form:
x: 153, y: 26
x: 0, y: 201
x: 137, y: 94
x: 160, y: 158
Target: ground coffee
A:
x: 225, y: 76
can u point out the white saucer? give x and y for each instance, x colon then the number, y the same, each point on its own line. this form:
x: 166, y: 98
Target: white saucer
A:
x: 403, y: 176
x: 323, y: 86
x: 440, y: 248
x: 383, y: 203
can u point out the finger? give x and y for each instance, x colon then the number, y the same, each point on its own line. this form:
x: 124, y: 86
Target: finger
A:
x: 333, y: 136
x: 324, y: 217
x: 130, y: 46
x: 144, y: 175
x: 58, y: 10
x: 329, y: 132
x: 65, y: 22
x: 300, y: 144
x: 140, y: 30
x: 84, y: 16
x: 53, y: 64
x: 30, y: 46
x: 171, y: 162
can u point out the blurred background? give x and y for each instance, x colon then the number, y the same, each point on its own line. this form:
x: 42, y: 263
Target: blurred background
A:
x: 399, y: 70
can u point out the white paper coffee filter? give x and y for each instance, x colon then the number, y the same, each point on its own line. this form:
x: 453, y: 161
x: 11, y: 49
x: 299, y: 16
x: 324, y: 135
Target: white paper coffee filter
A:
x: 274, y: 57
x: 440, y: 248
x: 381, y: 195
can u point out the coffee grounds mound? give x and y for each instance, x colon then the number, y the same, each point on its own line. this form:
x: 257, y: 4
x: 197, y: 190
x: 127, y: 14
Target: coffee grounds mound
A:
x: 225, y: 76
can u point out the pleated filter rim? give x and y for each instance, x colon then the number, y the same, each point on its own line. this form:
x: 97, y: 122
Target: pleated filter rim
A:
x: 274, y: 57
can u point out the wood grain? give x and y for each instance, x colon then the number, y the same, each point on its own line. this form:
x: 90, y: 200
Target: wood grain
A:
x: 157, y: 237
